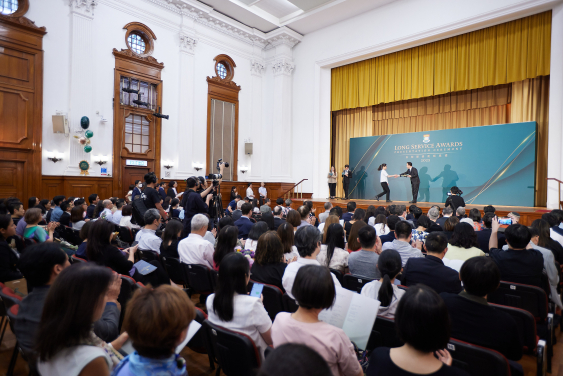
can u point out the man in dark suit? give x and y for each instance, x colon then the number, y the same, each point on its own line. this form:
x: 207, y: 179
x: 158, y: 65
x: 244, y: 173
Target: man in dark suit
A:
x: 412, y: 173
x: 484, y: 235
x: 430, y: 270
x: 93, y: 199
x: 473, y: 319
x: 350, y: 209
x: 392, y: 221
x: 346, y: 176
x: 278, y: 217
x: 244, y: 223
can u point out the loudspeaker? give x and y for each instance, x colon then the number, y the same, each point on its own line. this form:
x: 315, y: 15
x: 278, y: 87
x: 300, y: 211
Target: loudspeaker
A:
x: 248, y: 148
x: 60, y: 124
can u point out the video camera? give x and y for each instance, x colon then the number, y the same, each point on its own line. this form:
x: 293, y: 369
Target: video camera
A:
x: 215, y: 177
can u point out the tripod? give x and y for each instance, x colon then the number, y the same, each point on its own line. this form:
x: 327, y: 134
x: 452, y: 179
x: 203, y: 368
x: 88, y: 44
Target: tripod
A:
x: 217, y: 206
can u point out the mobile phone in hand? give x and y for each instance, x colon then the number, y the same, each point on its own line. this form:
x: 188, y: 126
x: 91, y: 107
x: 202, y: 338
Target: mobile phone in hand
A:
x: 257, y: 290
x: 505, y: 221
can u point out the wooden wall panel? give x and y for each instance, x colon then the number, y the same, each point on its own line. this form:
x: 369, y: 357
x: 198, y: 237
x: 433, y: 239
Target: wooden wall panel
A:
x: 77, y: 186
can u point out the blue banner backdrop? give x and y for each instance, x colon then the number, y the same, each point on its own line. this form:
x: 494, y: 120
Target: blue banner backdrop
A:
x: 494, y: 164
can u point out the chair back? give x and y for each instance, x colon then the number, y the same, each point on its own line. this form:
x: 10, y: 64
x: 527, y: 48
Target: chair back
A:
x: 236, y: 352
x: 70, y: 235
x: 128, y: 287
x: 338, y: 275
x: 383, y: 334
x: 199, y: 278
x: 174, y: 270
x: 76, y: 259
x: 526, y: 325
x: 354, y: 282
x: 9, y: 298
x: 530, y: 298
x: 198, y: 342
x: 477, y: 360
x: 289, y: 304
x: 125, y: 234
x: 148, y: 255
x: 273, y: 298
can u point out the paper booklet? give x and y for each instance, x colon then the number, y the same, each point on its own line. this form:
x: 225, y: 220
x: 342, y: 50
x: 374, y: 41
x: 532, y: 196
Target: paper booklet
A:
x: 353, y: 313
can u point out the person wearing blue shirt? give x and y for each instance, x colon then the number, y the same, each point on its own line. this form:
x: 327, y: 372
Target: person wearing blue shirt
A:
x: 57, y: 211
x: 233, y: 205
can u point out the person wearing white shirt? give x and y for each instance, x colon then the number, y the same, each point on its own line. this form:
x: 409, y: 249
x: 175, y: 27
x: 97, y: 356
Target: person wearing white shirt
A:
x: 195, y: 249
x: 308, y: 243
x: 107, y: 213
x: 322, y: 225
x: 147, y: 236
x: 250, y: 192
x: 383, y: 179
x: 116, y: 217
x: 232, y: 308
x: 324, y: 216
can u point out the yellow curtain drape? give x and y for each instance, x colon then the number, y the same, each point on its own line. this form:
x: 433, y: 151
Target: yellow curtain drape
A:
x: 501, y: 54
x: 525, y: 100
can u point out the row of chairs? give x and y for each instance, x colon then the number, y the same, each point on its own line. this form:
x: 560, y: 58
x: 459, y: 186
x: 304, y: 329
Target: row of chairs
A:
x: 125, y: 234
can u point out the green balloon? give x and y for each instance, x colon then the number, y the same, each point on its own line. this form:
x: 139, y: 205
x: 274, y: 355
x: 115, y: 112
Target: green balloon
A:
x: 87, y: 148
x: 89, y: 134
x: 84, y: 122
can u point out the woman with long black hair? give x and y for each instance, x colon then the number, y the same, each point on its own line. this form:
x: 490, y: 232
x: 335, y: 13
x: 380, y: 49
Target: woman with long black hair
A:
x: 384, y: 180
x: 232, y: 308
x: 384, y: 290
x: 226, y: 243
x: 333, y: 254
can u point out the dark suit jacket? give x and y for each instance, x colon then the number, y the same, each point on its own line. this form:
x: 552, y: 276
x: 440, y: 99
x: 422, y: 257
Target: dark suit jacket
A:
x: 483, y: 237
x: 414, y: 175
x: 347, y: 217
x: 476, y: 322
x: 522, y: 266
x: 346, y: 179
x: 278, y: 222
x: 170, y: 193
x: 432, y: 272
x: 387, y: 238
x: 442, y: 221
x: 90, y: 211
x: 434, y: 227
x: 244, y: 225
x: 162, y: 193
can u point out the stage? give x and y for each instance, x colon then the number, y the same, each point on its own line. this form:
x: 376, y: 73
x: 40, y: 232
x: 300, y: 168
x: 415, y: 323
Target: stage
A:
x: 527, y: 214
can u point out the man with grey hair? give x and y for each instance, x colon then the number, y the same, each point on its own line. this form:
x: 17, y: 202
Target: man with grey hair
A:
x: 195, y: 249
x: 460, y: 212
x: 148, y: 241
x: 401, y: 212
x: 433, y: 215
x: 237, y: 213
x: 447, y: 212
x: 324, y: 216
x: 106, y: 213
x: 287, y: 207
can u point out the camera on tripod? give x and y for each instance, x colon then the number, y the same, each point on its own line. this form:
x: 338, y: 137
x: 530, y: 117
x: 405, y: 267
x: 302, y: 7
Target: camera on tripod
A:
x: 216, y: 177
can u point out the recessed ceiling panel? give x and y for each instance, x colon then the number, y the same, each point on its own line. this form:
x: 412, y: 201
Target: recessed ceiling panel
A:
x: 309, y: 4
x: 277, y: 8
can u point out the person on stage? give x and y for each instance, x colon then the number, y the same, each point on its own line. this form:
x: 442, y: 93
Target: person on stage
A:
x: 412, y: 173
x: 346, y: 176
x: 385, y: 182
x: 454, y: 199
x: 332, y: 182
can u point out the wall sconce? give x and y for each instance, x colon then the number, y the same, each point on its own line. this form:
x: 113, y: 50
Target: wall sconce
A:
x: 197, y: 166
x: 168, y: 165
x: 243, y: 169
x: 54, y: 156
x: 101, y: 160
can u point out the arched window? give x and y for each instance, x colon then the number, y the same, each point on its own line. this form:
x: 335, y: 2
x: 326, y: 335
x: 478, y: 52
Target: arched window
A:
x: 8, y: 6
x: 139, y: 39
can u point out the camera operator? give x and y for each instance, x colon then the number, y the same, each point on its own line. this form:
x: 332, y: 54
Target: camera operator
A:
x: 192, y: 202
x: 151, y: 197
x: 455, y: 200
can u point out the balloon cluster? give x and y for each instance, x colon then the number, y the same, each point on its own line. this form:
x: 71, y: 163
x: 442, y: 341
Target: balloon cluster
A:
x: 85, y: 140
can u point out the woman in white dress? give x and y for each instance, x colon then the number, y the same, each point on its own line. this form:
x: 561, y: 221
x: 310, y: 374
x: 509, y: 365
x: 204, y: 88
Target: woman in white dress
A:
x: 385, y: 182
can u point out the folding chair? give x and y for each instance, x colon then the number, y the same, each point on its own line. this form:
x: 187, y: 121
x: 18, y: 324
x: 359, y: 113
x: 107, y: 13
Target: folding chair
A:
x: 354, y: 283
x: 199, y: 278
x: 477, y: 360
x: 125, y: 234
x: 289, y: 305
x: 175, y: 270
x: 27, y: 354
x: 273, y: 298
x: 337, y: 274
x: 235, y: 352
x: 383, y: 334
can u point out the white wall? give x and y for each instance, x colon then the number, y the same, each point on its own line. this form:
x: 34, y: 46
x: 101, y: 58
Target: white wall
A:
x: 395, y: 26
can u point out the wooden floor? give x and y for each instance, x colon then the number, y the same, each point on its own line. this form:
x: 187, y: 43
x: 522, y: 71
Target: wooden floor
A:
x: 198, y: 364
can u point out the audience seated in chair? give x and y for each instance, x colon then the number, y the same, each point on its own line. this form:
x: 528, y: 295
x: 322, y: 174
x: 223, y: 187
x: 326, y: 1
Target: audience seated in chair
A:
x: 126, y: 215
x: 287, y: 236
x: 295, y: 360
x: 194, y: 249
x: 474, y: 320
x: 148, y: 241
x: 64, y: 219
x: 314, y: 290
x: 423, y: 323
x: 244, y: 223
x: 402, y: 243
x: 333, y: 254
x: 363, y: 263
x: 231, y: 307
x: 353, y: 244
x: 430, y: 270
x: 350, y: 209
x: 33, y: 232
x: 308, y: 243
x: 446, y: 213
x: 81, y: 251
x: 421, y: 231
x: 463, y: 244
x: 392, y: 221
x: 389, y: 266
x: 269, y: 263
x: 16, y: 210
x: 278, y: 217
x: 171, y: 239
x: 255, y: 232
x: 77, y: 217
x: 359, y: 215
x: 520, y: 263
x: 549, y: 237
x: 118, y: 211
x: 226, y: 243
x: 66, y: 343
x: 8, y: 257
x: 155, y: 333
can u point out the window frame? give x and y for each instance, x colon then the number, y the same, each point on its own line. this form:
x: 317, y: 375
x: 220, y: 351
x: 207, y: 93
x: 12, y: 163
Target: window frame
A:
x: 146, y: 35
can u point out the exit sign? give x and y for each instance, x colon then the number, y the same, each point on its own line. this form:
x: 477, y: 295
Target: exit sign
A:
x: 132, y: 162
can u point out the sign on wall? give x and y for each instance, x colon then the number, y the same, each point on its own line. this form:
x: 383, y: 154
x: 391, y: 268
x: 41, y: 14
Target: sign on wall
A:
x: 493, y: 164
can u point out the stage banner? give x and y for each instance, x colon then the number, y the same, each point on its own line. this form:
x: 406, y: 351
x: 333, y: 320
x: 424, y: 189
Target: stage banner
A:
x: 492, y: 165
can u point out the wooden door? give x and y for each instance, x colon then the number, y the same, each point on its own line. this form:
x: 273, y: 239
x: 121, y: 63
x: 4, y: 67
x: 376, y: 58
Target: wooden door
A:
x: 130, y: 174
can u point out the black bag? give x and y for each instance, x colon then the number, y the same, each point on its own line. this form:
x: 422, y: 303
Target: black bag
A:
x: 139, y: 210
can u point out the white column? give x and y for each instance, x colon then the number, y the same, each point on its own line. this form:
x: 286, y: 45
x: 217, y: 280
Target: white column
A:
x: 281, y: 119
x: 186, y: 140
x: 555, y: 139
x: 260, y: 144
x: 321, y: 133
x: 82, y: 66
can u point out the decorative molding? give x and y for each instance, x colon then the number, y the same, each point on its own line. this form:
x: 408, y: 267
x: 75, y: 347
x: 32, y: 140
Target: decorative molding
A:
x: 25, y: 22
x: 188, y: 43
x: 283, y: 66
x: 218, y: 81
x: 83, y: 7
x: 129, y: 55
x: 257, y: 67
x: 282, y: 39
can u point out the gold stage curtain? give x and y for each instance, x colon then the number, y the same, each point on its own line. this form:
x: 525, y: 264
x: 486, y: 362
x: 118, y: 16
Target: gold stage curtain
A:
x: 500, y: 54
x: 526, y: 100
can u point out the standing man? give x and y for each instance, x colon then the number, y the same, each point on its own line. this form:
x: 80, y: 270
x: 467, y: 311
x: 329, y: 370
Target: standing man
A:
x: 346, y: 176
x: 250, y: 192
x: 412, y: 173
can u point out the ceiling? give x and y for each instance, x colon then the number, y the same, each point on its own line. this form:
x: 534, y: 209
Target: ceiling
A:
x: 303, y: 16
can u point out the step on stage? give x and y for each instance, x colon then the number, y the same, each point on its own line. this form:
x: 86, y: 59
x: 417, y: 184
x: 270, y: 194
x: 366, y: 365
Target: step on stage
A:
x: 527, y: 214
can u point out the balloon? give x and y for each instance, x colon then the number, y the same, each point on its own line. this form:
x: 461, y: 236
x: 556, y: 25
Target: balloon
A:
x: 84, y: 122
x: 89, y: 134
x: 87, y: 148
x: 83, y: 140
